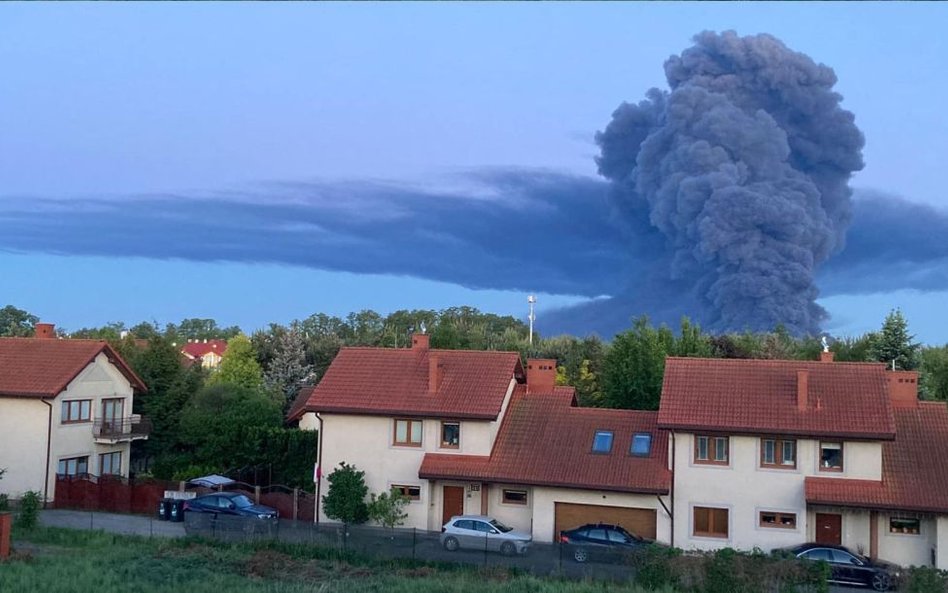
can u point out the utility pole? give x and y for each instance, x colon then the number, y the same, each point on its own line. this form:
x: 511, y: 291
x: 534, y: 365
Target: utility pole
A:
x: 532, y: 300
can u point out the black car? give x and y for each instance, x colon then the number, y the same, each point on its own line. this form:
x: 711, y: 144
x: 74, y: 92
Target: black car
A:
x: 601, y: 541
x: 848, y: 568
x: 230, y: 503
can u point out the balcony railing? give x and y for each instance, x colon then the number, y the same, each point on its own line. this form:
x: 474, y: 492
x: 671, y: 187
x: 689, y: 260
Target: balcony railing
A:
x: 122, y: 429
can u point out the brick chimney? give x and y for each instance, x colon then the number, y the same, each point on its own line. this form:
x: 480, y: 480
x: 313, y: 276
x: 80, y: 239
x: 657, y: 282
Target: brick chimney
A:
x: 541, y: 375
x: 44, y: 331
x: 803, y: 390
x: 826, y: 356
x: 419, y: 341
x: 435, y: 372
x: 903, y: 388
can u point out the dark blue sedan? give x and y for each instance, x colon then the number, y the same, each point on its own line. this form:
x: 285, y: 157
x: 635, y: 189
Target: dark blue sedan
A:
x: 601, y: 541
x: 230, y: 503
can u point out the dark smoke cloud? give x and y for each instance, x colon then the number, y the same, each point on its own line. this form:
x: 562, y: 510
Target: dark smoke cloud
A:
x: 743, y: 167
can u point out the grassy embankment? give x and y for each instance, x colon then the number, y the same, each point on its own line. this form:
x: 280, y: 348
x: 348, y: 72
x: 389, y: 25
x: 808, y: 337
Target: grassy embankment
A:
x: 52, y: 560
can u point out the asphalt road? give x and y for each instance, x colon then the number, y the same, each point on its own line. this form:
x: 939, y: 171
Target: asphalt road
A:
x: 540, y: 560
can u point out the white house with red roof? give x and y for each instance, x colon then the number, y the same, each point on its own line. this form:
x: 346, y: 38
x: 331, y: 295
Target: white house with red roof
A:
x: 773, y: 453
x: 469, y: 432
x: 208, y: 352
x: 65, y: 408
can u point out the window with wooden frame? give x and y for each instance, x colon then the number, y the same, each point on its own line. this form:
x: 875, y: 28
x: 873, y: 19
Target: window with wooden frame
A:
x: 778, y: 453
x: 110, y: 464
x: 710, y: 522
x: 407, y: 491
x: 711, y: 450
x: 77, y: 410
x: 74, y: 466
x: 905, y: 525
x: 450, y: 435
x: 514, y: 497
x: 831, y: 457
x: 407, y: 433
x: 778, y: 520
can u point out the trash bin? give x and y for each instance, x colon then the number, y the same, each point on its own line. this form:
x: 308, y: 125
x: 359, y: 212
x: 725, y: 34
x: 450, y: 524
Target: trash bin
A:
x: 164, y: 509
x: 177, y: 510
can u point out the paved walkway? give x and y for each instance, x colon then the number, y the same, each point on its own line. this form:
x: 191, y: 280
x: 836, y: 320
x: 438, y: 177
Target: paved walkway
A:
x: 113, y: 523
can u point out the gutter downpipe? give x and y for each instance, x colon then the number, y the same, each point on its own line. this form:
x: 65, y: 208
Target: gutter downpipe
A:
x: 319, y: 464
x: 672, y: 515
x: 49, y: 439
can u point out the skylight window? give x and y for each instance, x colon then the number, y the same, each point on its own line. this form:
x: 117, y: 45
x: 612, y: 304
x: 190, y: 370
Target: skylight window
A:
x: 603, y: 441
x: 641, y: 444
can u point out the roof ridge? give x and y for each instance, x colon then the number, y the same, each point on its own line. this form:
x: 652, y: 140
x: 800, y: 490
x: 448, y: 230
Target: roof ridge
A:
x: 777, y: 361
x: 451, y: 350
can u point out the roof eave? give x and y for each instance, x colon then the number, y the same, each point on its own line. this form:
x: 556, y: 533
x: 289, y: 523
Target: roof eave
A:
x: 866, y: 436
x: 497, y: 478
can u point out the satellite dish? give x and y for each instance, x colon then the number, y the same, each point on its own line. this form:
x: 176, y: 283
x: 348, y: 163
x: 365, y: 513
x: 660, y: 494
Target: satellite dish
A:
x: 423, y: 328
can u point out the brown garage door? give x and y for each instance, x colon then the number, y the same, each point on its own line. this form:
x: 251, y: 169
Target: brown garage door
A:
x: 638, y: 521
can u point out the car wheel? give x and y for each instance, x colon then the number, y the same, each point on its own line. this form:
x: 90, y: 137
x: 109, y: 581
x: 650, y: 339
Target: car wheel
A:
x: 508, y: 549
x: 451, y: 544
x: 880, y: 582
x: 580, y: 555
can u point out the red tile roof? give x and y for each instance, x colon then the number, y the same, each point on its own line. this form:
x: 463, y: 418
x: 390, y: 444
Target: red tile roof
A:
x: 44, y: 367
x: 914, y: 470
x: 389, y: 381
x: 845, y: 400
x: 545, y: 440
x: 199, y: 349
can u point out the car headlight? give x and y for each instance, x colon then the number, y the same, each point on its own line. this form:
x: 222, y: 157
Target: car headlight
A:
x: 264, y: 516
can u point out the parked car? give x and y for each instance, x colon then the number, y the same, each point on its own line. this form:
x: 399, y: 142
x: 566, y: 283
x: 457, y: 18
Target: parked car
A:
x: 479, y: 532
x: 849, y: 568
x: 602, y: 541
x: 230, y: 503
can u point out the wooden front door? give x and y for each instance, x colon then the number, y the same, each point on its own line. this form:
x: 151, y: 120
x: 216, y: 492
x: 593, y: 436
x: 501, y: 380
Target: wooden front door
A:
x: 453, y: 502
x: 829, y: 529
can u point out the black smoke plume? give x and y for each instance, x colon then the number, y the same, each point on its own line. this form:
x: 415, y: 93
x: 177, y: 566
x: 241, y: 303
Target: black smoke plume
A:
x: 741, y: 171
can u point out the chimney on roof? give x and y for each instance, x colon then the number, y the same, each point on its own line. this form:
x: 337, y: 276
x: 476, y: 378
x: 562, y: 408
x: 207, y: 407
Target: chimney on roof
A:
x: 826, y: 356
x: 903, y: 388
x: 419, y: 341
x: 541, y: 375
x: 803, y: 390
x: 44, y: 331
x: 435, y: 372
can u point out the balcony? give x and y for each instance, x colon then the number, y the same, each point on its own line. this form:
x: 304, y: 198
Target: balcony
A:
x: 120, y: 430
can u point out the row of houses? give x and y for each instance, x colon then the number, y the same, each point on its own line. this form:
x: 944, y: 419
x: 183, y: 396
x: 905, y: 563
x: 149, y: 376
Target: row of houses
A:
x: 741, y: 453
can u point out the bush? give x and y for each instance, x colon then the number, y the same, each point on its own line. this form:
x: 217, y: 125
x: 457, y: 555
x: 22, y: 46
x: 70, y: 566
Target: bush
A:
x: 345, y: 500
x: 29, y: 510
x: 924, y: 579
x: 4, y: 503
x: 656, y: 569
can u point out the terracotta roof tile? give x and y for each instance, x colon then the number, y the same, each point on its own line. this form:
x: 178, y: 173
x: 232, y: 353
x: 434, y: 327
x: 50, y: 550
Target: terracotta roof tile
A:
x: 760, y: 396
x: 546, y: 441
x: 44, y: 367
x: 199, y: 349
x: 386, y: 381
x: 914, y: 471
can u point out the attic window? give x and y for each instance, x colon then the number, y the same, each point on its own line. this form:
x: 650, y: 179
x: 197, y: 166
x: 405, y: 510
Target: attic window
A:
x: 602, y: 443
x: 641, y: 444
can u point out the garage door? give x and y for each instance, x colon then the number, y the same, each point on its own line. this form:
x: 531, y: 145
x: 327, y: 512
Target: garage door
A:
x: 638, y: 521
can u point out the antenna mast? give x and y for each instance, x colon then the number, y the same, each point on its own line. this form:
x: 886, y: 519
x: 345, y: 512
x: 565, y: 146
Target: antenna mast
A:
x: 532, y: 317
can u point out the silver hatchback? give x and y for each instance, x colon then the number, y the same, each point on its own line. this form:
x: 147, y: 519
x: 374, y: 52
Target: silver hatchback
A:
x: 479, y: 532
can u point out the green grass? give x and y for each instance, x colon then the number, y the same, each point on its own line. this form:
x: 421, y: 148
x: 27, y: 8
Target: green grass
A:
x: 50, y: 560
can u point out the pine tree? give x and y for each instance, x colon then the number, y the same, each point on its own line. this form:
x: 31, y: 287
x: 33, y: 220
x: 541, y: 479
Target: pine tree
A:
x: 894, y: 343
x: 288, y: 369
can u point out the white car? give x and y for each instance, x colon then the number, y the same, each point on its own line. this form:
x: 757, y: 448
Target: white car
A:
x: 479, y: 532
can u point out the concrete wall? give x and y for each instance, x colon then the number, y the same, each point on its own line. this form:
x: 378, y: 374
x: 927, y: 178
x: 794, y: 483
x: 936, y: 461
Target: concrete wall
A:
x: 23, y: 424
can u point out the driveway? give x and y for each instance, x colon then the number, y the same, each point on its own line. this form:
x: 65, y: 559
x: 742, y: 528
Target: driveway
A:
x: 112, y: 523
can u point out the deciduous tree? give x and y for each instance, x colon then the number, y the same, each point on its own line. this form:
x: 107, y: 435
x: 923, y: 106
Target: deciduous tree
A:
x: 345, y: 500
x: 16, y: 323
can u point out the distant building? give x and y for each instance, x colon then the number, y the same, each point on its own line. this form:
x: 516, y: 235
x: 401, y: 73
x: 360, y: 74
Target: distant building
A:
x: 209, y: 352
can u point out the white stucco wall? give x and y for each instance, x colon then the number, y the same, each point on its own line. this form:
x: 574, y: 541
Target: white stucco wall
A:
x: 23, y: 425
x: 941, y: 542
x: 906, y: 549
x: 745, y: 489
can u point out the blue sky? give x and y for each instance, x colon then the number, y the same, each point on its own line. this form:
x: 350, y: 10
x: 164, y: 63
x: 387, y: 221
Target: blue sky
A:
x: 223, y: 101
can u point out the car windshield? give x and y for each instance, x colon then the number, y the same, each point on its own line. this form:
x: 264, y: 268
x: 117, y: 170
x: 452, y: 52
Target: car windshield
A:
x: 241, y: 501
x: 500, y: 526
